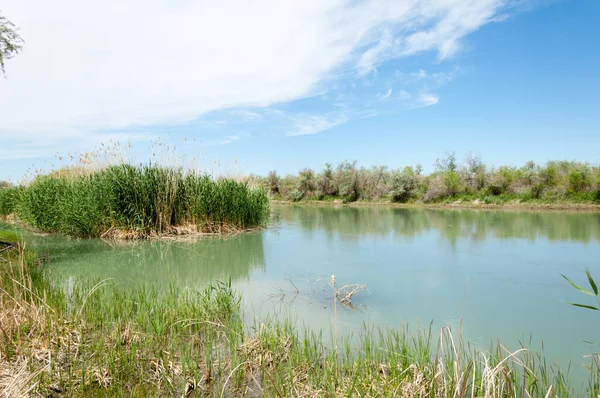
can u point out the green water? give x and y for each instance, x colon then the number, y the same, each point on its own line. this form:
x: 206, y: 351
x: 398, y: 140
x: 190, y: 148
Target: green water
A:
x: 500, y: 272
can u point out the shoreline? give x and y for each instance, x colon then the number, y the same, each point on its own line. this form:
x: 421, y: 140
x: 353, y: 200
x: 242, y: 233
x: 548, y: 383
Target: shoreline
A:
x: 116, y: 234
x: 457, y: 205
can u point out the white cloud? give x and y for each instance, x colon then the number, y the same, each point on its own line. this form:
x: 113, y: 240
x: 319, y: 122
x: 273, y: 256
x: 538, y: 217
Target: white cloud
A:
x: 47, y: 146
x: 313, y: 124
x: 424, y: 100
x: 387, y: 94
x: 95, y: 65
x: 226, y: 141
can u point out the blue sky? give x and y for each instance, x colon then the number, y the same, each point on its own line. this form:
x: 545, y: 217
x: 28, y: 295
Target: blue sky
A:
x: 305, y: 83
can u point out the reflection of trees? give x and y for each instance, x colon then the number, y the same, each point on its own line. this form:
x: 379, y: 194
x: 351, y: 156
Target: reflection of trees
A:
x: 474, y: 225
x: 185, y: 262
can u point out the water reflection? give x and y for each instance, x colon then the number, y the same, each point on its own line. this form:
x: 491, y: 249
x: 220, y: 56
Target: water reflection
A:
x: 350, y: 223
x: 187, y: 263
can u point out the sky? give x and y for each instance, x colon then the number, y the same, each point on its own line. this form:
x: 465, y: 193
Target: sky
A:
x: 248, y: 86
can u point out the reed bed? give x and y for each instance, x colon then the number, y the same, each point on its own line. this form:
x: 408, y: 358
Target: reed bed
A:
x: 106, y: 339
x: 132, y: 201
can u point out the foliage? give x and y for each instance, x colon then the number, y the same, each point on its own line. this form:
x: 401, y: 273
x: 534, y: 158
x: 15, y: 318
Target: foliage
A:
x: 146, y: 199
x: 402, y: 185
x: 306, y: 183
x: 9, y: 197
x: 325, y: 183
x: 556, y: 181
x: 10, y: 42
x: 447, y: 163
x: 593, y: 293
x: 273, y: 181
x: 436, y: 189
x: 346, y: 178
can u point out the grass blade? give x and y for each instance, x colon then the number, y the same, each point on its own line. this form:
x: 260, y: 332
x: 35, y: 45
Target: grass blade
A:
x: 591, y: 280
x: 582, y: 290
x: 590, y: 307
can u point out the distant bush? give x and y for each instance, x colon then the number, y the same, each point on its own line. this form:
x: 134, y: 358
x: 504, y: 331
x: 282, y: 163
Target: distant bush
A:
x: 325, y: 183
x: 306, y: 184
x: 402, y: 185
x: 273, y: 181
x: 346, y: 179
x: 494, y: 200
x: 554, y: 181
x: 436, y: 189
x: 579, y: 180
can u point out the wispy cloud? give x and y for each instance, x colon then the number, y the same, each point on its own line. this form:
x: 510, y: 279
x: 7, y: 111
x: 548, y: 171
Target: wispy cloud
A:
x: 307, y: 125
x: 164, y: 62
x: 15, y: 147
x: 387, y: 94
x: 424, y: 100
x: 227, y: 140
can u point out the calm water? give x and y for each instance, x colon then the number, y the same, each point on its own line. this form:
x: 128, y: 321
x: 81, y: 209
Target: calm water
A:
x: 498, y: 271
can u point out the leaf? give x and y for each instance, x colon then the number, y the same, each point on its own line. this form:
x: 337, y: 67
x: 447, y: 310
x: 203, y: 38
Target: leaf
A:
x: 591, y: 280
x: 582, y: 290
x: 589, y: 307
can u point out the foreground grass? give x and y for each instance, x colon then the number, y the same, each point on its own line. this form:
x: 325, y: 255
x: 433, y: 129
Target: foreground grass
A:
x: 111, y: 340
x: 134, y: 201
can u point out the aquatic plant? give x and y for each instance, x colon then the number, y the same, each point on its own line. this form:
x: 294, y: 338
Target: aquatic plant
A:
x: 593, y: 293
x: 142, y: 199
x: 9, y: 198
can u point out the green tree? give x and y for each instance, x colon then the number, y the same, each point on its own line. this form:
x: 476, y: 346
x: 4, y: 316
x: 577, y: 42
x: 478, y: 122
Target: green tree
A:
x: 273, y: 181
x: 402, y: 184
x: 447, y: 163
x: 325, y: 182
x: 10, y: 41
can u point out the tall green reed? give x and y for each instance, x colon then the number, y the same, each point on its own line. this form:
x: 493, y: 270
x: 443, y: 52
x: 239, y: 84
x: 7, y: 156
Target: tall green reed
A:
x: 147, y: 199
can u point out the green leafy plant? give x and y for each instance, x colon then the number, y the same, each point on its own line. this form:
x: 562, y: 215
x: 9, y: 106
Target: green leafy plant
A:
x: 10, y: 41
x: 593, y: 293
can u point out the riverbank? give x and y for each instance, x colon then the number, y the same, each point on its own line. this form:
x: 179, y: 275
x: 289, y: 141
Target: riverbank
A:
x: 108, y: 339
x: 458, y: 204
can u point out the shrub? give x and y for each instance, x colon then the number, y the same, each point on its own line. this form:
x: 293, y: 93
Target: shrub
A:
x: 452, y: 182
x: 494, y: 200
x: 325, y: 185
x: 436, y: 189
x: 555, y: 193
x: 346, y: 180
x: 306, y: 184
x: 273, y: 181
x: 475, y: 172
x: 402, y: 184
x: 578, y: 180
x: 596, y: 191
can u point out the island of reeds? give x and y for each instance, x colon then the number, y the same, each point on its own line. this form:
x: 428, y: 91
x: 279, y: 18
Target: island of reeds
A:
x: 472, y: 181
x: 132, y: 201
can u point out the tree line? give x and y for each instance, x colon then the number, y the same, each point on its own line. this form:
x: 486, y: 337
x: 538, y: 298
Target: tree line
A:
x: 450, y: 180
